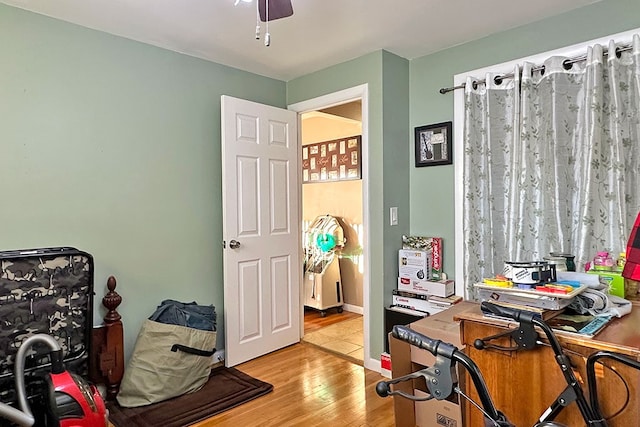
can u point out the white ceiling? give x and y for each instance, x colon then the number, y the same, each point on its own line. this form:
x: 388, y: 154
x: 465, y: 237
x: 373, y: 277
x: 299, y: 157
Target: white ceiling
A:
x: 320, y: 33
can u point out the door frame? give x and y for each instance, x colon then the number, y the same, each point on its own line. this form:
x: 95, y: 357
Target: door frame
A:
x: 360, y: 92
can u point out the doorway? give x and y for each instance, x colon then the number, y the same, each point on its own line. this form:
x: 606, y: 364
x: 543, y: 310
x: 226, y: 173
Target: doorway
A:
x: 330, y: 118
x: 333, y: 190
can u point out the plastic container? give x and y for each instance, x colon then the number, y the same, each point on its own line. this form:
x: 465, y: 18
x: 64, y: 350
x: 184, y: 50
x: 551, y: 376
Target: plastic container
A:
x: 569, y: 260
x: 559, y: 261
x: 571, y: 263
x: 631, y: 289
x: 622, y: 259
x: 603, y: 262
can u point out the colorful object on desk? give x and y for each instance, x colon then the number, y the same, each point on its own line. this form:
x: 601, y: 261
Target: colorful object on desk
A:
x: 613, y: 280
x: 555, y: 288
x: 500, y: 282
x: 621, y: 261
x: 603, y: 261
x: 572, y: 283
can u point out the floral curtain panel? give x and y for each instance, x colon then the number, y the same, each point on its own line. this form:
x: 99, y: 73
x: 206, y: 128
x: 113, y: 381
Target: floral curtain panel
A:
x: 551, y: 160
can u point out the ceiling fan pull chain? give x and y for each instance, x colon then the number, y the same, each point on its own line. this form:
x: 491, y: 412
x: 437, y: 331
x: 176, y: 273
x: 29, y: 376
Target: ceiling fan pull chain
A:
x: 257, y: 20
x: 267, y: 36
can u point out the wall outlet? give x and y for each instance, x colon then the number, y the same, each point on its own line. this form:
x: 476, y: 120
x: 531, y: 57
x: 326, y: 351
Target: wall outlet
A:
x: 218, y: 357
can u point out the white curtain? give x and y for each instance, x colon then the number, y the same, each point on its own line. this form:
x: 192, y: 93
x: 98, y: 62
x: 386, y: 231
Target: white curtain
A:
x: 551, y: 160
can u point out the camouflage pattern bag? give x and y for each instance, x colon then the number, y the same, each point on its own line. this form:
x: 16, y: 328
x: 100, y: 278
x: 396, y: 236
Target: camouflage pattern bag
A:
x: 48, y: 291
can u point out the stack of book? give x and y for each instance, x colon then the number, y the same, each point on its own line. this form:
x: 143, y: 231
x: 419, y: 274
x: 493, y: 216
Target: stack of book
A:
x: 423, y: 303
x: 422, y: 285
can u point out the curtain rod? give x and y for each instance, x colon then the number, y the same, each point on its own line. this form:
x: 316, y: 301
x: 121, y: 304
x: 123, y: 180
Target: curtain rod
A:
x: 568, y: 61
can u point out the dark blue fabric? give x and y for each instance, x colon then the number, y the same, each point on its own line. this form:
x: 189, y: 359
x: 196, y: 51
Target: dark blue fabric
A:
x: 189, y: 314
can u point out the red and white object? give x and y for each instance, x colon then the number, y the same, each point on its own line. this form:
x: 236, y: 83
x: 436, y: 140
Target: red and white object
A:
x: 432, y: 244
x: 414, y: 265
x: 89, y: 409
x: 385, y: 365
x: 441, y: 288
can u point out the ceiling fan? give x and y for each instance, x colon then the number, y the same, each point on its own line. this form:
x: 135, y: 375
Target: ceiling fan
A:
x: 270, y: 10
x: 267, y: 11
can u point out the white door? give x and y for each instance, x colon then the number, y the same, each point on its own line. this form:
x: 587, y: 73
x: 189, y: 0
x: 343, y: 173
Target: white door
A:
x: 261, y: 229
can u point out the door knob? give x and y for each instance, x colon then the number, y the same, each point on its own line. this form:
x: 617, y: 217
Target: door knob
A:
x: 234, y: 244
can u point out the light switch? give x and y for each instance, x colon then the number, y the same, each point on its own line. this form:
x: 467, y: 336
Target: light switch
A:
x: 393, y: 216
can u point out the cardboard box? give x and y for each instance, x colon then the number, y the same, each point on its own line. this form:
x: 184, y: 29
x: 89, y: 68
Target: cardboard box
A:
x: 613, y: 279
x: 439, y: 326
x: 434, y: 412
x: 406, y: 360
x: 441, y: 288
x: 404, y: 411
x: 433, y: 244
x: 414, y: 265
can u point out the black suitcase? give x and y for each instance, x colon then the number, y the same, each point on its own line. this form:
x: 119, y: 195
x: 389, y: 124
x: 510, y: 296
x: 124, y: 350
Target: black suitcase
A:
x: 50, y: 291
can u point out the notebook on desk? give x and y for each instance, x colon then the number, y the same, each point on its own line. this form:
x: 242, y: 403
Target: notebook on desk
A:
x: 581, y: 325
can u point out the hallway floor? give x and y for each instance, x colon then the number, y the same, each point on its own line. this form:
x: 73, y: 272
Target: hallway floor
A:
x: 341, y: 334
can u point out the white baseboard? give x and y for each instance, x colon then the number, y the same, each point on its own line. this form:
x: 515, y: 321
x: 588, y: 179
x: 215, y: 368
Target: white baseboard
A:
x: 353, y: 308
x: 372, y: 364
x: 386, y: 373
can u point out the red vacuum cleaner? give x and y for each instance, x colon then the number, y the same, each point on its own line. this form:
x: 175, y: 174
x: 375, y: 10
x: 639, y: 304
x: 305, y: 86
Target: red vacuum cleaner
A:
x: 70, y: 401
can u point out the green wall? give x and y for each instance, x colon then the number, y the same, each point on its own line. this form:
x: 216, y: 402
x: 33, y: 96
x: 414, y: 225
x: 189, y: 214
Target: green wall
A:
x: 113, y: 147
x: 432, y: 188
x: 387, y: 79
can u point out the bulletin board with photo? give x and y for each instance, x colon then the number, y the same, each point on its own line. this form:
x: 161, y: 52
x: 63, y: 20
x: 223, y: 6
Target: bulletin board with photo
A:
x: 336, y: 160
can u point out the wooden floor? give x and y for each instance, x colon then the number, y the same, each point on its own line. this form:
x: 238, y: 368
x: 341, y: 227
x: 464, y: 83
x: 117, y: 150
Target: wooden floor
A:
x: 339, y: 333
x: 314, y: 321
x: 311, y: 388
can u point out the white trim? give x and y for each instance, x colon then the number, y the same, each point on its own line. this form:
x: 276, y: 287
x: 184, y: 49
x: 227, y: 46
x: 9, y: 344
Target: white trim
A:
x: 458, y: 118
x: 458, y: 157
x: 353, y: 309
x: 320, y: 114
x: 325, y: 101
x: 373, y: 364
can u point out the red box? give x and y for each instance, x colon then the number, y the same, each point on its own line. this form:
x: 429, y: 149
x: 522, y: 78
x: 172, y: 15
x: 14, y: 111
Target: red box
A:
x: 385, y: 365
x: 385, y: 361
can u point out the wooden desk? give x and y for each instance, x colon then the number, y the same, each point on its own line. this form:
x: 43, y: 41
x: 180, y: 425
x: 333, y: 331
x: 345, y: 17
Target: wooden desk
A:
x: 524, y: 383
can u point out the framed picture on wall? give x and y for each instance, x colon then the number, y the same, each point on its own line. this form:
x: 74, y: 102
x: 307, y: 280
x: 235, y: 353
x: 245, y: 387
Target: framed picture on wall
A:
x: 336, y: 160
x: 433, y: 145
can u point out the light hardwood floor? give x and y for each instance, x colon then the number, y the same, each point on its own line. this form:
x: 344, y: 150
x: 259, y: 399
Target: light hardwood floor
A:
x: 338, y: 333
x: 311, y: 388
x: 313, y: 320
